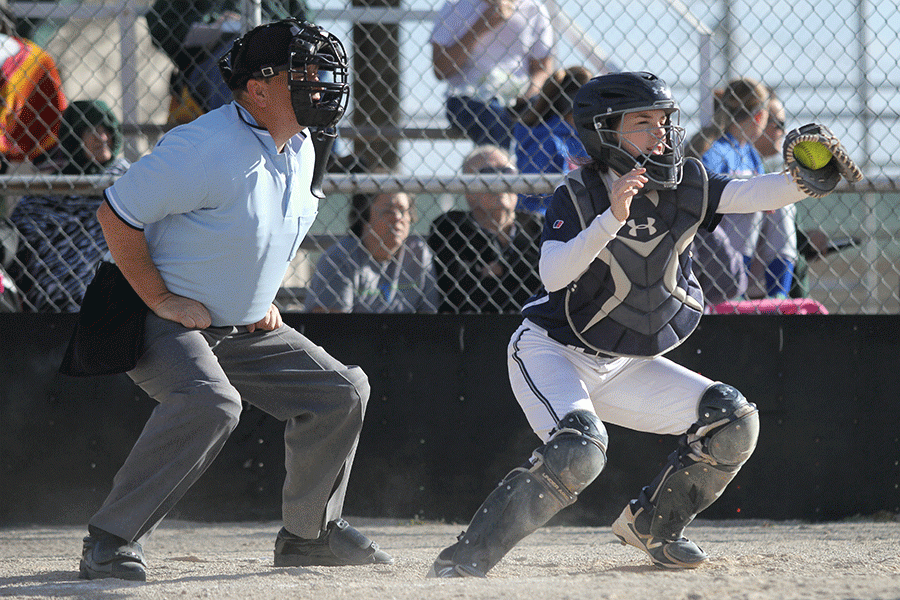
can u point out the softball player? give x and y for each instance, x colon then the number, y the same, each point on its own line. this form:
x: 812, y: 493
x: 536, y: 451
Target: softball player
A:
x: 617, y: 293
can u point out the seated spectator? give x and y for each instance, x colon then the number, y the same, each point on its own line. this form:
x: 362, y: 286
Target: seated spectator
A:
x: 546, y: 141
x: 719, y: 268
x: 486, y: 257
x: 770, y: 142
x: 494, y: 55
x: 32, y: 99
x: 741, y: 117
x: 61, y: 240
x: 195, y: 34
x: 378, y: 267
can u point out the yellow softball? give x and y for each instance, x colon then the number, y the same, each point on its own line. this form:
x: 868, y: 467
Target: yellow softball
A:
x: 812, y: 155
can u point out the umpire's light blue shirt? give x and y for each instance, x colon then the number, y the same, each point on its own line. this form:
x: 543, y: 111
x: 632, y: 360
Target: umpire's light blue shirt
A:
x: 222, y: 210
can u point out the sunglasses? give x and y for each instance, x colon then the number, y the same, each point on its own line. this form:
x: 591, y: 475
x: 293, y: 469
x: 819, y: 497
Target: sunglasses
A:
x: 507, y: 170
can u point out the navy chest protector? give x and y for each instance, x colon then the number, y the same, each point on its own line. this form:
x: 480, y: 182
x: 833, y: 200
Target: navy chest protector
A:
x: 639, y: 296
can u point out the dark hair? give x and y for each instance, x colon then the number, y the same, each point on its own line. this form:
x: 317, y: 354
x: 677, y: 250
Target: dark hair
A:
x: 556, y: 95
x: 740, y: 100
x: 702, y: 141
x: 360, y: 212
x: 736, y: 102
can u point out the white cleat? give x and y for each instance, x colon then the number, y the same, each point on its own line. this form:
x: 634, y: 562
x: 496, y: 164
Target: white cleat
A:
x: 669, y: 554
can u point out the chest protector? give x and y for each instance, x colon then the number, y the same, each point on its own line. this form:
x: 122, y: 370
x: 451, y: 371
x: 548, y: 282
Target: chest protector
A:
x: 639, y: 297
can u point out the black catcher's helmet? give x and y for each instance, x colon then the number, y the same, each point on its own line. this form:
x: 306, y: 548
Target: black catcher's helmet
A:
x: 599, y: 107
x: 293, y: 46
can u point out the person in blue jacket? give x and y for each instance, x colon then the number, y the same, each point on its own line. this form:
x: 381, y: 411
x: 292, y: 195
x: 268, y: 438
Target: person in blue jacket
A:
x: 742, y: 114
x: 546, y: 140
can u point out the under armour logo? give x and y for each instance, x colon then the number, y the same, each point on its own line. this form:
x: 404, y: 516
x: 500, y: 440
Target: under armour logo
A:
x: 651, y: 230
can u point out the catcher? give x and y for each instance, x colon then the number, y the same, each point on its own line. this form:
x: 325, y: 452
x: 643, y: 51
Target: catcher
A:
x: 618, y: 292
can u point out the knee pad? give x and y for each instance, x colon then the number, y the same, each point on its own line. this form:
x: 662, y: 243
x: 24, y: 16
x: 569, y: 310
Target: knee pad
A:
x: 727, y: 429
x: 575, y: 454
x: 530, y: 495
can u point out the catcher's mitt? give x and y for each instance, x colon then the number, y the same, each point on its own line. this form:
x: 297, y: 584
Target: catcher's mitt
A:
x: 819, y: 182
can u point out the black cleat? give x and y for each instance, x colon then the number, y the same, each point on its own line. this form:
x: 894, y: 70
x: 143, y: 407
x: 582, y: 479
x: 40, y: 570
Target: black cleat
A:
x: 339, y: 546
x: 106, y: 555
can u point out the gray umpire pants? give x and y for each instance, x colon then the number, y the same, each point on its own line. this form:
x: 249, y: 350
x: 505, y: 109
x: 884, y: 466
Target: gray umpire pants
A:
x: 199, y: 378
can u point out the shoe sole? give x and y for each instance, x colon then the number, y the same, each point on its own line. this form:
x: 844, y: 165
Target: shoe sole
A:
x: 452, y: 572
x: 447, y: 571
x: 299, y: 560
x: 628, y: 537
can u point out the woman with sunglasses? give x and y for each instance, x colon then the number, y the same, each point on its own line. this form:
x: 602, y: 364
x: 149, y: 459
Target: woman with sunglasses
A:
x: 767, y: 237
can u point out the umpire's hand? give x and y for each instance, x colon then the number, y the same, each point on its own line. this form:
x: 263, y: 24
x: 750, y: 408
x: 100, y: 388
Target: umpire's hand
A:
x: 188, y: 312
x: 271, y: 321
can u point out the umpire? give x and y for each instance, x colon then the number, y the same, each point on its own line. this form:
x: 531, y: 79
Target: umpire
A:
x: 203, y: 229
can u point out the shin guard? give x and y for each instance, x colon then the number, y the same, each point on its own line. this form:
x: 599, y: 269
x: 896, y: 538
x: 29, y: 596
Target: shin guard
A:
x: 529, y: 496
x: 709, y: 456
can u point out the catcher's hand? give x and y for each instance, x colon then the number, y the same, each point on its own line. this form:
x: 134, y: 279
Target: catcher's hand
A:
x: 819, y: 182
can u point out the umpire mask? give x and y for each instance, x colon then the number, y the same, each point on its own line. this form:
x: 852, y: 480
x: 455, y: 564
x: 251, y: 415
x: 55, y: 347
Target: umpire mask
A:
x: 314, y: 59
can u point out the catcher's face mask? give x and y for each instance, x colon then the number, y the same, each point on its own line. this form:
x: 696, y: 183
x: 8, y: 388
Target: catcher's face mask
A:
x: 664, y: 168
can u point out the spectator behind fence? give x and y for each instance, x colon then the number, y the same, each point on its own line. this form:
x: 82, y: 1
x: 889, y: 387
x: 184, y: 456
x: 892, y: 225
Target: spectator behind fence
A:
x: 61, y: 239
x: 31, y: 99
x: 812, y: 244
x: 719, y: 268
x: 769, y: 147
x: 546, y: 141
x: 378, y: 267
x: 493, y: 54
x: 741, y: 116
x: 195, y: 34
x: 486, y: 257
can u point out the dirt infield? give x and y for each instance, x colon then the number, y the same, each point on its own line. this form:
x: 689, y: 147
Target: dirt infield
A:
x: 750, y: 560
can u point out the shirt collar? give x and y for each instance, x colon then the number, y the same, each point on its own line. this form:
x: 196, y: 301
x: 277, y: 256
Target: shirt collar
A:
x: 263, y: 134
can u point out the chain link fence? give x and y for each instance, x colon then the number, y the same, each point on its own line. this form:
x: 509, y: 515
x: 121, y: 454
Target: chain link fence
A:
x: 837, y: 63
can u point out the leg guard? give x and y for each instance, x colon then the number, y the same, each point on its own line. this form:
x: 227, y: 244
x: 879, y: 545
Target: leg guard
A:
x: 709, y: 456
x: 528, y: 496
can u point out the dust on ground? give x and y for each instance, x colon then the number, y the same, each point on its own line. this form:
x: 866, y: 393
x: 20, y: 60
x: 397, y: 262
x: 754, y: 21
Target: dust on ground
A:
x: 751, y: 560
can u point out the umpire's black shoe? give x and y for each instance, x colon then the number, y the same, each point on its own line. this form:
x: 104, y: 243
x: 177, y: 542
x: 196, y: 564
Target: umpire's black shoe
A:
x: 107, y: 555
x: 340, y: 545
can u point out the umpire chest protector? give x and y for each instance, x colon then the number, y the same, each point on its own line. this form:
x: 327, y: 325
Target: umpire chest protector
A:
x: 639, y: 297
